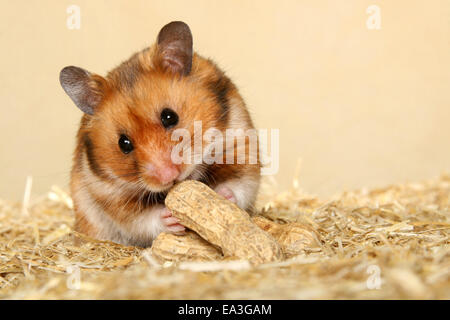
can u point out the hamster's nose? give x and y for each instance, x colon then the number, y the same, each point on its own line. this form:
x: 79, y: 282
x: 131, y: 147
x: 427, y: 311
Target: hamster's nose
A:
x: 165, y: 173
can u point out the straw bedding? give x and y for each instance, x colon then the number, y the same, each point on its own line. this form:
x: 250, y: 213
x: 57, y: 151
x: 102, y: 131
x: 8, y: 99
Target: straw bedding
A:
x: 388, y: 243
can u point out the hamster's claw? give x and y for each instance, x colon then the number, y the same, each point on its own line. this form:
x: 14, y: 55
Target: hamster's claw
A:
x: 226, y: 192
x: 171, y: 223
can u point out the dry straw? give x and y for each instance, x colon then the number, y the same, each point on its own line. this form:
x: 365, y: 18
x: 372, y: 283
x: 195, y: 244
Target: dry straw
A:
x: 388, y: 243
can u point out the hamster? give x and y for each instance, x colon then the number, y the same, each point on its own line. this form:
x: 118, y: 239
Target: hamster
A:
x: 123, y: 165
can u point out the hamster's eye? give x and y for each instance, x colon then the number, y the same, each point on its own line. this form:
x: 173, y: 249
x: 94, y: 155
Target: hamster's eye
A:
x: 125, y: 144
x: 169, y: 118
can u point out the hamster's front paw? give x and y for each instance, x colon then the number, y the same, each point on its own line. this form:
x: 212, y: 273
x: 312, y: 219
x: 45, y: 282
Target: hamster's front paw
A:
x: 226, y: 192
x: 171, y: 223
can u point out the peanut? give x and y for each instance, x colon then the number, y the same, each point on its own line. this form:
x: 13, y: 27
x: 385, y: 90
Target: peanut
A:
x: 293, y: 237
x: 222, y: 223
x: 171, y: 247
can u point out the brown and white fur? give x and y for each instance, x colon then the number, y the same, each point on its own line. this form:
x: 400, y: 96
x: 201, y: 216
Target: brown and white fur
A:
x: 120, y: 197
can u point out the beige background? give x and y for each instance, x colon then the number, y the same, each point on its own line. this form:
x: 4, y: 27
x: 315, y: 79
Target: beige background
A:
x: 360, y: 107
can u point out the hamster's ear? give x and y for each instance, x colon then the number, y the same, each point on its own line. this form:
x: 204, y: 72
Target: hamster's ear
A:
x: 85, y: 89
x: 175, y: 48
